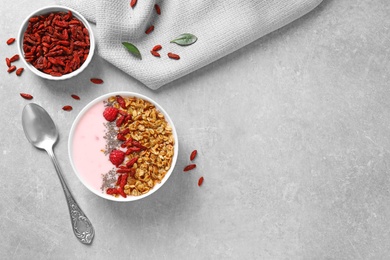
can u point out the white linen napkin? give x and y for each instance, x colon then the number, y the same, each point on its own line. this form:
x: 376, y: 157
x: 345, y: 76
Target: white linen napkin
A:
x: 222, y: 26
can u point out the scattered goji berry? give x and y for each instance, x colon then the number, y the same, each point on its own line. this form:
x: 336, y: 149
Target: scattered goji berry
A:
x: 133, y: 3
x: 157, y: 8
x: 193, y: 154
x: 97, y: 81
x: 10, y: 41
x: 75, y: 97
x: 155, y: 53
x: 189, y: 167
x: 11, y: 69
x: 200, y: 181
x: 150, y: 29
x: 8, y: 62
x: 67, y: 108
x: 14, y: 58
x: 19, y: 71
x: 26, y: 96
x: 157, y: 47
x: 173, y: 56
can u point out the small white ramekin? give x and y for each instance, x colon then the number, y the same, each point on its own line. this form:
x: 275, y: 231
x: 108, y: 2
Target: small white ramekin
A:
x: 54, y: 9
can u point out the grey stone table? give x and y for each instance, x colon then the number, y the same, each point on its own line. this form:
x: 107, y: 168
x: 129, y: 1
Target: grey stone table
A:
x: 293, y: 139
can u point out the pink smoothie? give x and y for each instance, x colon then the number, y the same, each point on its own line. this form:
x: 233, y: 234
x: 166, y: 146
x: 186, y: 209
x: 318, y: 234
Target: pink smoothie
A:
x: 88, y: 143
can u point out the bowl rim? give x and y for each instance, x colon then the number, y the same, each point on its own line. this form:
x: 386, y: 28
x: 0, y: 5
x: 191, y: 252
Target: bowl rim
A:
x: 105, y: 97
x: 45, y: 10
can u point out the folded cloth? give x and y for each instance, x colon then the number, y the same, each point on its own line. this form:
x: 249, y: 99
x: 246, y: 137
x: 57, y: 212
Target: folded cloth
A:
x: 222, y: 27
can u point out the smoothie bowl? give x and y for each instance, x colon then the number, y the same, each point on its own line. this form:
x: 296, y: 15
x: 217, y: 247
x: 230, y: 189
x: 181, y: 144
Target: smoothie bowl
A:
x: 123, y: 146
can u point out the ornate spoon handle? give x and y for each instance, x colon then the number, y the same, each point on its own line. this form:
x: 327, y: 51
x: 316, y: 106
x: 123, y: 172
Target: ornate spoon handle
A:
x: 82, y: 227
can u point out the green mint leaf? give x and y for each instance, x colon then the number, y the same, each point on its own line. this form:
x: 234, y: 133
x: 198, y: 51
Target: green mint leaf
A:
x: 132, y: 49
x: 185, y: 39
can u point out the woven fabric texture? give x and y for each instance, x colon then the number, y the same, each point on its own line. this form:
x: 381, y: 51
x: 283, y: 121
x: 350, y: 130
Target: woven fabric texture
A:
x: 222, y: 27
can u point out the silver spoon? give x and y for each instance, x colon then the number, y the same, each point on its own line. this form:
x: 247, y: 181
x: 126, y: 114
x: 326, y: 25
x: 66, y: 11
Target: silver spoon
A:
x: 41, y: 131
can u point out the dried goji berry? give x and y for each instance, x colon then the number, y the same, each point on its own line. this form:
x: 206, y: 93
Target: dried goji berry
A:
x: 127, y: 118
x: 127, y: 143
x: 19, y: 71
x: 121, y: 101
x: 67, y: 108
x: 132, y: 150
x: 119, y: 121
x: 112, y: 191
x: 125, y: 131
x: 97, y: 81
x: 26, y: 96
x: 118, y: 180
x: 157, y: 47
x: 123, y: 180
x: 132, y: 172
x: 10, y: 41
x: 189, y: 167
x: 56, y: 74
x: 14, y: 58
x: 173, y: 56
x: 150, y: 29
x: 8, y: 62
x: 131, y: 162
x: 155, y: 53
x: 75, y: 97
x: 123, y: 113
x: 138, y: 144
x: 133, y: 3
x: 193, y: 154
x: 11, y: 69
x: 120, y: 137
x: 157, y: 8
x: 200, y: 181
x: 122, y: 170
x: 122, y: 193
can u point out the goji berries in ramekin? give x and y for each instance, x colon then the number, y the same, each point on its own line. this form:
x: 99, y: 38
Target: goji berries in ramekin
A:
x: 60, y: 39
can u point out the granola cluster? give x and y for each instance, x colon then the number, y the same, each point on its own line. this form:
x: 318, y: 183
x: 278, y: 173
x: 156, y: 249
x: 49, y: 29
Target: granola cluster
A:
x: 147, y: 141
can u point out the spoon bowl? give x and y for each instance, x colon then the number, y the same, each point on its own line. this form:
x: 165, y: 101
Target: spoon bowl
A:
x: 42, y: 133
x: 39, y: 127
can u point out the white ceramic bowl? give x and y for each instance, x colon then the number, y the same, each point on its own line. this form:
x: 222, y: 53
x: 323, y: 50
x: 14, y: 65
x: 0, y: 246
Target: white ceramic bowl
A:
x: 71, y: 148
x: 53, y: 9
